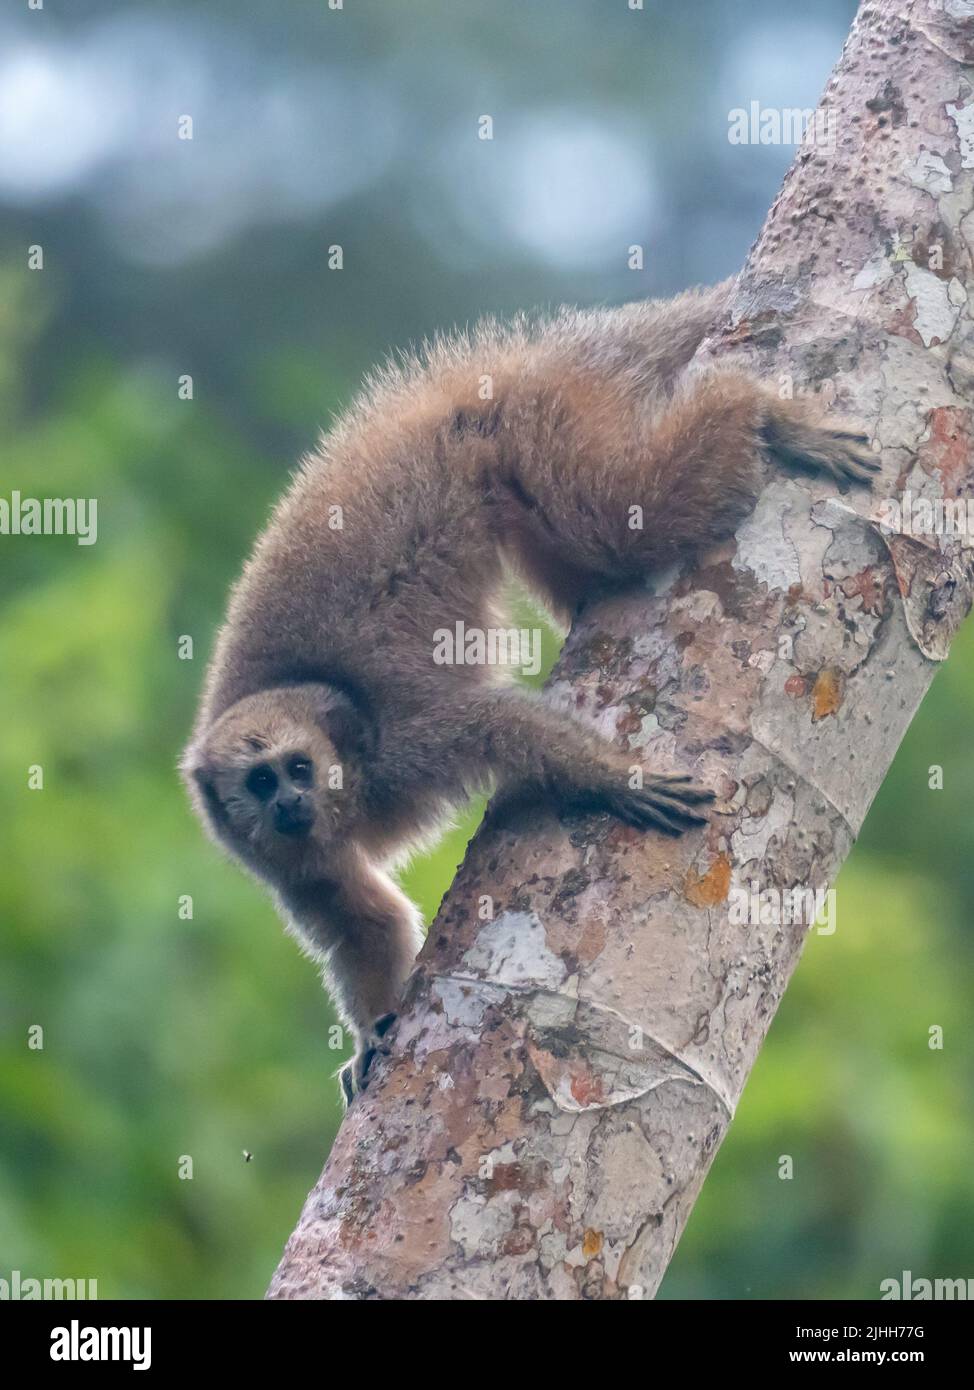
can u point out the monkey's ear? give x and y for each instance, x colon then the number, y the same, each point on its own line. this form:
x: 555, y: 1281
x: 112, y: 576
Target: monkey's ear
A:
x: 207, y: 790
x: 345, y: 725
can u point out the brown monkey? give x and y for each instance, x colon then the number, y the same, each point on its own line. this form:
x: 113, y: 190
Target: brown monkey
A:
x: 329, y: 741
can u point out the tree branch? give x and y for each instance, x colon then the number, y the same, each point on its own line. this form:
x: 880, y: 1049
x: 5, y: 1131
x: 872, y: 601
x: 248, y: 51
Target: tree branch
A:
x: 571, y: 1052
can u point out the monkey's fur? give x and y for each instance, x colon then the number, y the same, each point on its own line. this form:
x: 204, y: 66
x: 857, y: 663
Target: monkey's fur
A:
x: 402, y: 524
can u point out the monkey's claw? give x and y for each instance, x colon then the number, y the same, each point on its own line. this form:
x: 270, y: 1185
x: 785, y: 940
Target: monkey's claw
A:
x: 354, y: 1075
x: 665, y: 803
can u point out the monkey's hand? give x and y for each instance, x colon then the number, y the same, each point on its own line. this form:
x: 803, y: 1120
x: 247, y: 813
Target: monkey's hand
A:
x: 354, y: 1075
x: 797, y: 438
x: 666, y: 803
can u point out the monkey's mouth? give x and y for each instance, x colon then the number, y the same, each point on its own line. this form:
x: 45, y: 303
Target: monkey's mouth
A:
x: 295, y: 824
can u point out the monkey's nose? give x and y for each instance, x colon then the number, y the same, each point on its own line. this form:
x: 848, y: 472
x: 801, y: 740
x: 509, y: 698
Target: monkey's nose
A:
x: 292, y: 816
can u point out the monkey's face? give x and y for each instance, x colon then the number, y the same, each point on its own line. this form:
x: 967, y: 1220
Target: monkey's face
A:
x: 269, y: 782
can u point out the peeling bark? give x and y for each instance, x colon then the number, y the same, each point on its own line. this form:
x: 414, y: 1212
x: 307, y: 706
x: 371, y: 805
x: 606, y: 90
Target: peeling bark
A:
x: 566, y: 1067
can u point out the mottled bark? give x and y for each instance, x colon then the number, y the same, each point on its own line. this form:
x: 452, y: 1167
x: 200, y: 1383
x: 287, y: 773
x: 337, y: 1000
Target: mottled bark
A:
x: 567, y: 1066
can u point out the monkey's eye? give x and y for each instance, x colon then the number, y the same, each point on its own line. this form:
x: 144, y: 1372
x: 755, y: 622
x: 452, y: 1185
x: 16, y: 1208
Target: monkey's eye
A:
x: 300, y: 771
x: 261, y: 782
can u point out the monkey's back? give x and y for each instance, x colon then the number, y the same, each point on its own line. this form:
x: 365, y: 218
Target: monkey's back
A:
x: 395, y: 528
x: 361, y: 563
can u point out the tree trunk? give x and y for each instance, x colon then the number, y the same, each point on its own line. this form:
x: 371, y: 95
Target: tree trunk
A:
x: 589, y: 1003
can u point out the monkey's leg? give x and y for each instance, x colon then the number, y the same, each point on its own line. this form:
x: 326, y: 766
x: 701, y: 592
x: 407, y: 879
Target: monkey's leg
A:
x: 663, y: 334
x: 631, y: 493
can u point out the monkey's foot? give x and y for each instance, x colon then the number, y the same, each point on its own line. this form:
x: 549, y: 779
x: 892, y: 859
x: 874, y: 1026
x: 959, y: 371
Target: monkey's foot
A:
x: 842, y: 452
x: 666, y: 803
x: 354, y: 1075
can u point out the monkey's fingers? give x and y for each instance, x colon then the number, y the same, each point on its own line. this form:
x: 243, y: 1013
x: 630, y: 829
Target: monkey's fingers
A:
x: 859, y: 436
x: 346, y: 1081
x: 382, y: 1025
x: 354, y: 1075
x: 664, y: 804
x: 649, y: 814
x: 850, y: 458
x: 841, y: 452
x: 680, y: 788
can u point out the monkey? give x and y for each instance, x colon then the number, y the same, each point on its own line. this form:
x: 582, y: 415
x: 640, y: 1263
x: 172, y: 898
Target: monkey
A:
x: 328, y: 743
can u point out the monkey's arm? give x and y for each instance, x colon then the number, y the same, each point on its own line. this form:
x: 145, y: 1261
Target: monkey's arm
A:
x: 535, y: 752
x: 368, y: 933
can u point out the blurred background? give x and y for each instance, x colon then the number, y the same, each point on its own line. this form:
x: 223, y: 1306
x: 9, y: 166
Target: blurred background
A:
x: 208, y: 1036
